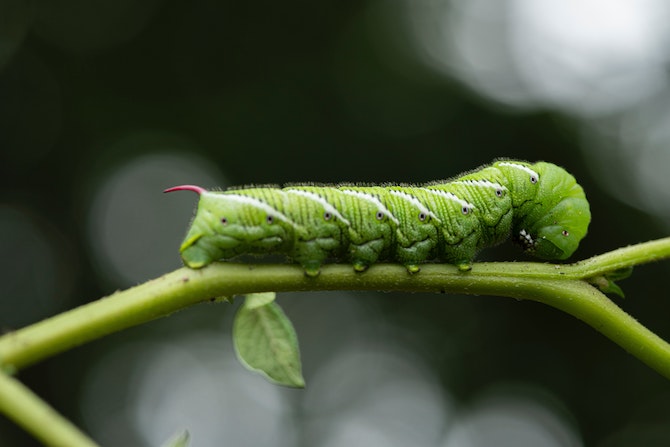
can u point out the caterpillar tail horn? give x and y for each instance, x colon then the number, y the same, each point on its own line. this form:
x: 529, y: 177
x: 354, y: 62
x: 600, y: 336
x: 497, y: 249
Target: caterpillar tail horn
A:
x: 193, y: 188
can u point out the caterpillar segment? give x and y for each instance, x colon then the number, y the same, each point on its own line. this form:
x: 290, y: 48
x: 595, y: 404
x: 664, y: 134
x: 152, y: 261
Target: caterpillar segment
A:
x: 458, y: 229
x: 540, y: 204
x: 551, y: 213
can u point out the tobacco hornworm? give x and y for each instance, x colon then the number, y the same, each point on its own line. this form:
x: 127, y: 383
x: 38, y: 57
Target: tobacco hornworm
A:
x: 540, y: 205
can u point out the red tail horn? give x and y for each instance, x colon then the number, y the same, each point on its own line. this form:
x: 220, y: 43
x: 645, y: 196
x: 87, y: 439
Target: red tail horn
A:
x: 193, y: 188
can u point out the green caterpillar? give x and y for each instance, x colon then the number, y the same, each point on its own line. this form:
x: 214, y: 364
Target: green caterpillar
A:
x: 540, y: 205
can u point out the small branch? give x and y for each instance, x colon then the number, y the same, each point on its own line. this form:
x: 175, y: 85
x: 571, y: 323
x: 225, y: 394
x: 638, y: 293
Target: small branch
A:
x: 599, y: 265
x: 621, y: 258
x: 29, y: 411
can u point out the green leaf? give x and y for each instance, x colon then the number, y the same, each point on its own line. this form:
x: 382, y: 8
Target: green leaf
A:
x: 181, y: 439
x: 266, y: 342
x: 608, y: 286
x: 606, y: 282
x: 256, y: 300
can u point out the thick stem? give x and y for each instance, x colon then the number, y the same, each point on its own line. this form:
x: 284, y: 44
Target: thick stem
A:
x: 185, y: 287
x: 29, y: 411
x: 561, y: 286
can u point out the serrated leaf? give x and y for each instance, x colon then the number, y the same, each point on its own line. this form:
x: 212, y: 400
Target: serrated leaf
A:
x: 266, y: 342
x: 181, y: 439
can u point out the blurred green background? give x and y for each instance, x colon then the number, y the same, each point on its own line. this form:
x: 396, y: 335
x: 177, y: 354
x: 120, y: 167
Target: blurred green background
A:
x: 104, y: 103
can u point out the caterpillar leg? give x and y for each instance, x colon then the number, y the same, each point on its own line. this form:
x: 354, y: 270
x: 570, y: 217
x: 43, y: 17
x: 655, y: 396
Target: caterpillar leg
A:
x: 414, y: 252
x: 311, y: 253
x: 360, y: 265
x: 366, y: 254
x: 412, y: 268
x: 312, y: 268
x: 464, y: 266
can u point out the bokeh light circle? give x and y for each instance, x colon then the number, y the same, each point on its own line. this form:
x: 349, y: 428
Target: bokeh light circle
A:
x: 134, y: 229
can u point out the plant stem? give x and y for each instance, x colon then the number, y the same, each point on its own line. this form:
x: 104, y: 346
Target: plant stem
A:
x: 564, y: 287
x: 630, y: 256
x: 185, y: 287
x: 37, y: 417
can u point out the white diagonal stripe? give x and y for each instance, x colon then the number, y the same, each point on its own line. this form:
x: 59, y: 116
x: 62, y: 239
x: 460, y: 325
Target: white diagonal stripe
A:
x: 522, y: 167
x: 323, y: 202
x: 256, y: 203
x: 482, y: 183
x: 372, y: 199
x: 450, y: 196
x: 414, y: 201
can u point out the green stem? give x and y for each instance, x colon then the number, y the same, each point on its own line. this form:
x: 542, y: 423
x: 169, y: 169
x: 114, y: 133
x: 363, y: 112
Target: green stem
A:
x: 564, y: 287
x: 185, y: 287
x: 630, y: 256
x: 37, y: 417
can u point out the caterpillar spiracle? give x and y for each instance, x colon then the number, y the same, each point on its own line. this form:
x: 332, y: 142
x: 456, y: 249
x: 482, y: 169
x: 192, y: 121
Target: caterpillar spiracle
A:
x: 539, y: 205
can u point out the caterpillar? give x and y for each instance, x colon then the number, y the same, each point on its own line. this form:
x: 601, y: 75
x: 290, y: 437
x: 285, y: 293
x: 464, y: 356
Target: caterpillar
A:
x: 540, y: 205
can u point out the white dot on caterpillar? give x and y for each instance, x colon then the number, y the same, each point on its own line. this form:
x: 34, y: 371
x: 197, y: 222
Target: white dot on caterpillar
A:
x: 422, y: 216
x: 499, y: 192
x: 465, y: 210
x: 533, y: 179
x: 270, y: 219
x: 379, y: 215
x: 327, y: 216
x: 565, y: 233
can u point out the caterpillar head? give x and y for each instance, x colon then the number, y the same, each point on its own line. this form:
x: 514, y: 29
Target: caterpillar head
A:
x: 228, y: 224
x: 557, y: 217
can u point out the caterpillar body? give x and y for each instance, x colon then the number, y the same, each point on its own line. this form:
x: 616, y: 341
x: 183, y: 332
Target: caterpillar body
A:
x: 540, y: 205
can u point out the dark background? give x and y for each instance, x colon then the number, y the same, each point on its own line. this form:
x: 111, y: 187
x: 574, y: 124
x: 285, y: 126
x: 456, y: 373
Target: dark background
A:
x: 103, y: 104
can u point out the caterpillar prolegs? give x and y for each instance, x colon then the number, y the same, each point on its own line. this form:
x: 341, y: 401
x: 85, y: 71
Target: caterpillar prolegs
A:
x: 540, y: 205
